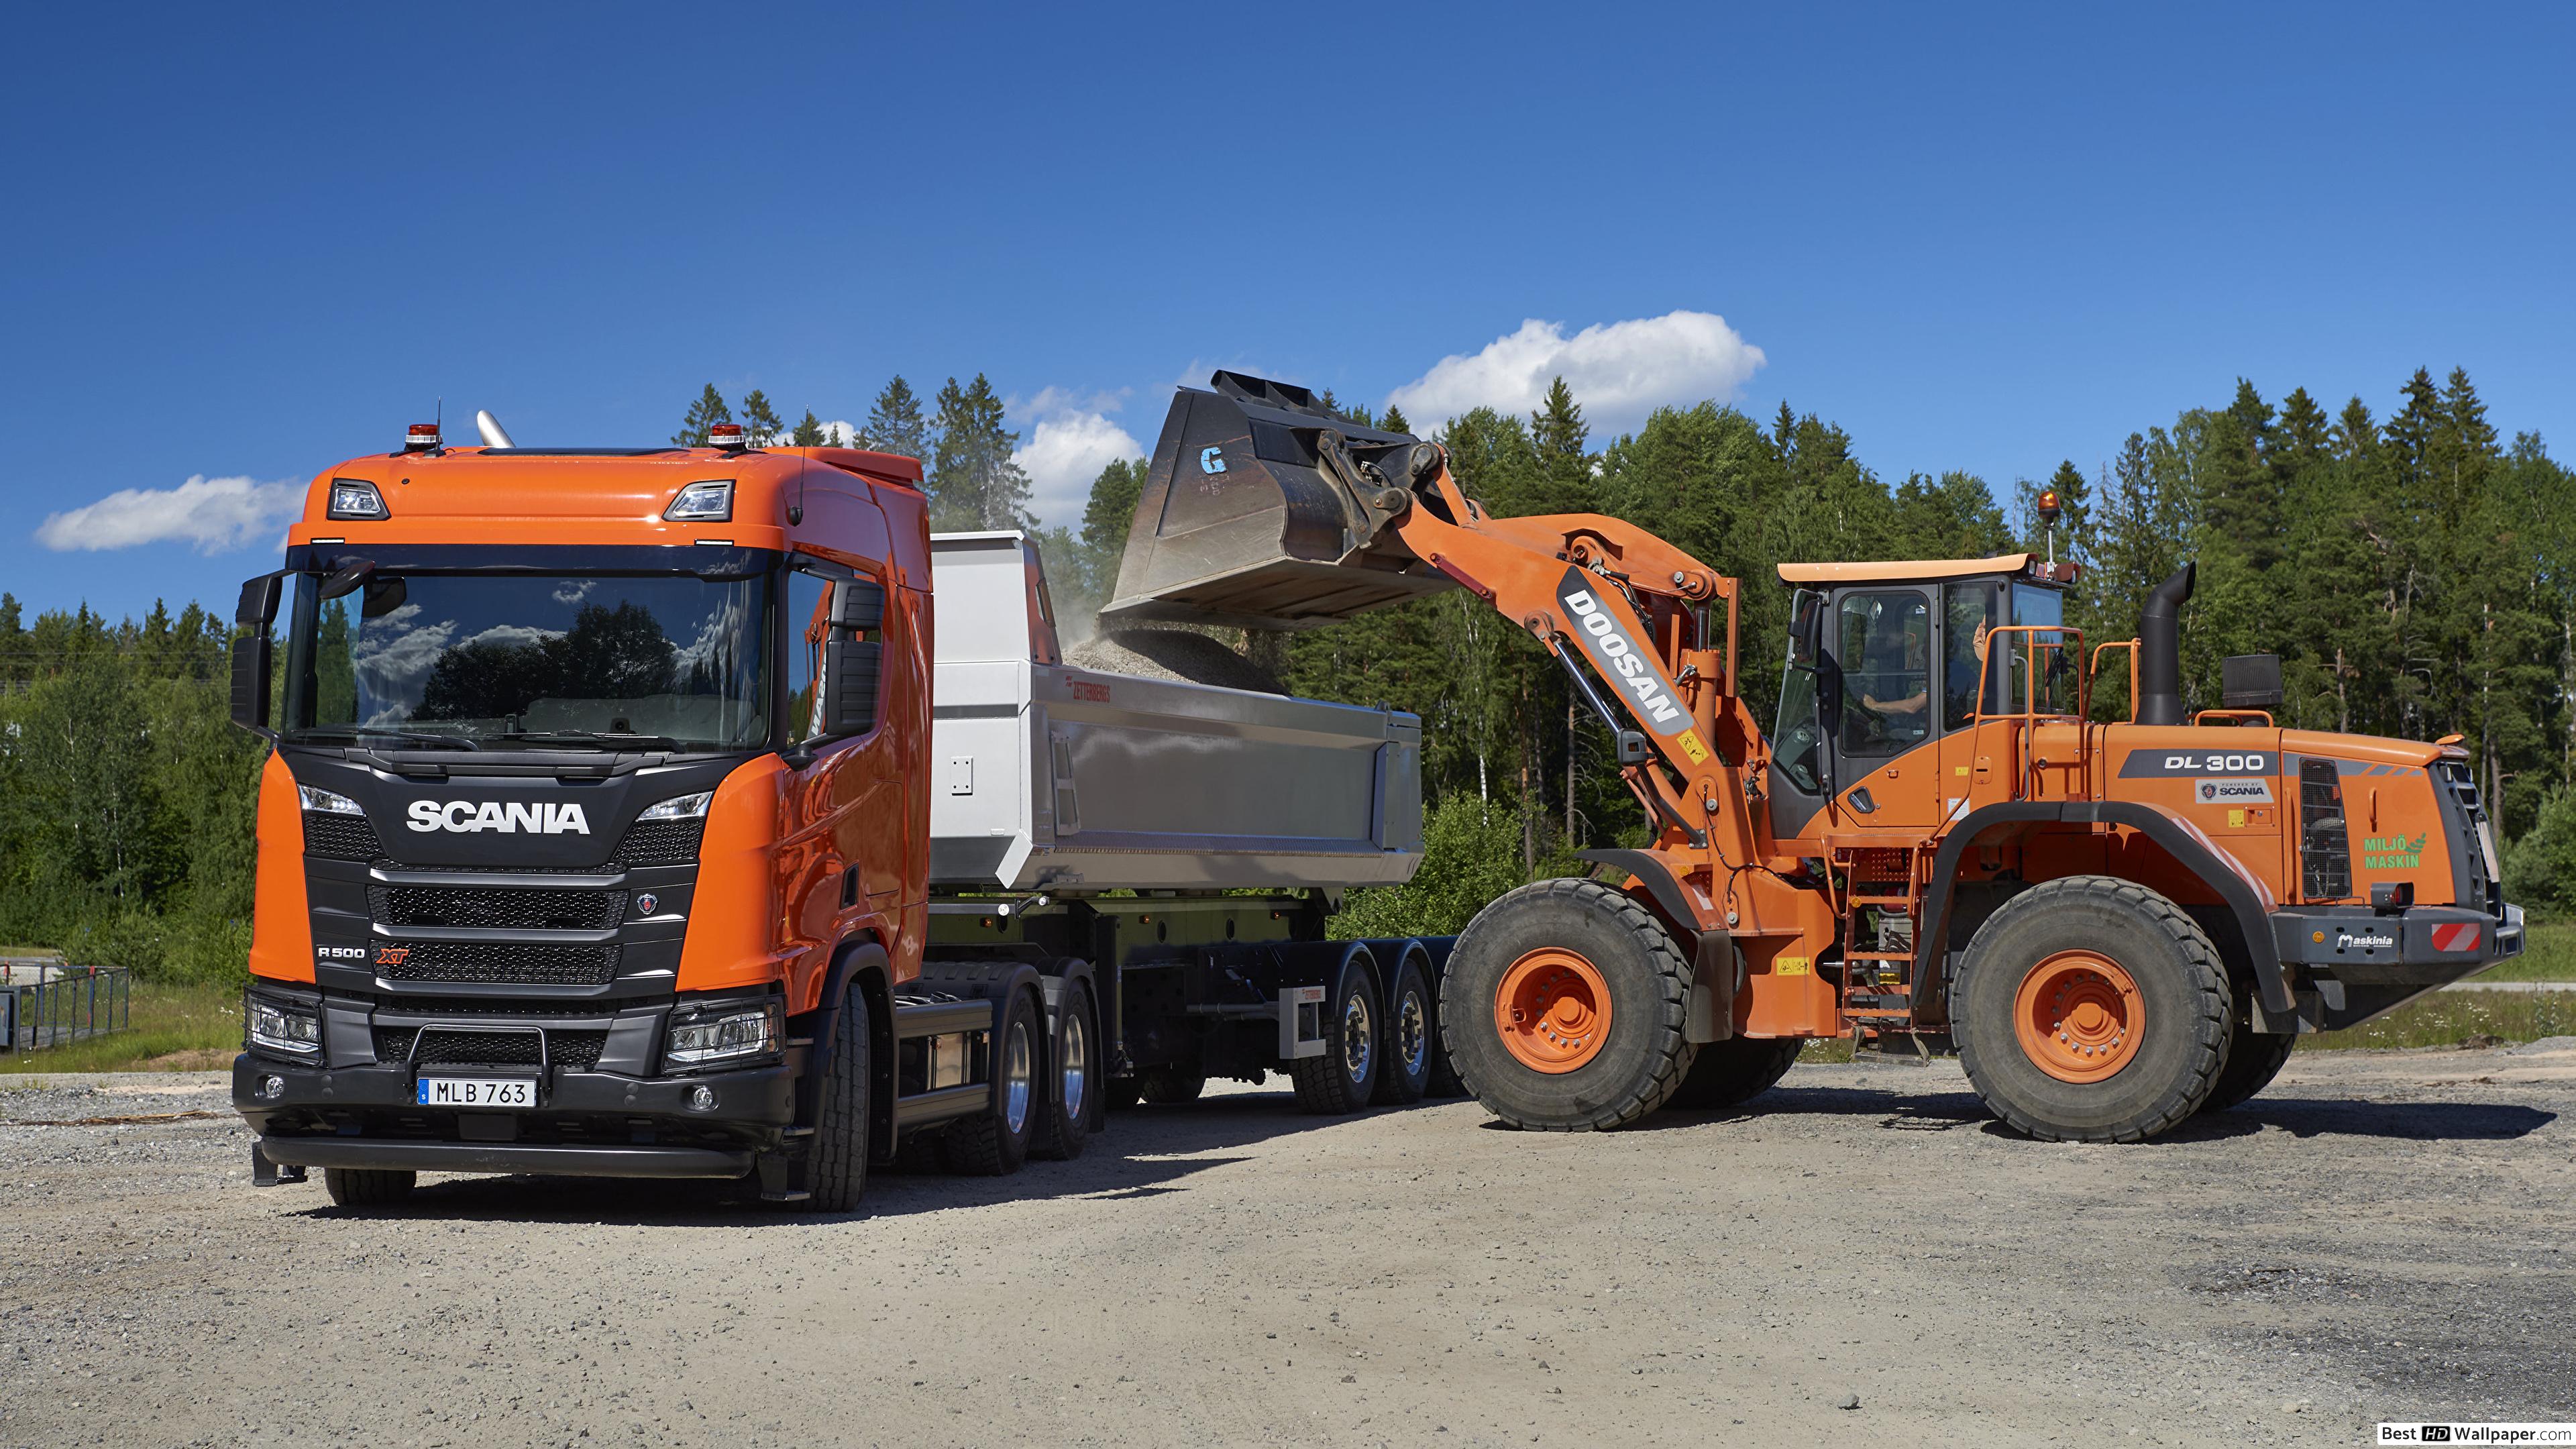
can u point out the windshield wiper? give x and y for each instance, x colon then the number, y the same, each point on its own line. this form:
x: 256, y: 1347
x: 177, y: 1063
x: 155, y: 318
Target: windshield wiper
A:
x: 595, y: 739
x: 362, y: 732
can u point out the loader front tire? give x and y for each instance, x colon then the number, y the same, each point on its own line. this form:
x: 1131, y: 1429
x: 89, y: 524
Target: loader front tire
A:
x: 1562, y: 1008
x: 2091, y: 1009
x: 1733, y: 1071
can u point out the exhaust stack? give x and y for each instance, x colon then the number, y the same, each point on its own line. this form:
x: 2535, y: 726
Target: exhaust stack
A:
x: 1263, y: 510
x: 490, y: 427
x: 2160, y: 650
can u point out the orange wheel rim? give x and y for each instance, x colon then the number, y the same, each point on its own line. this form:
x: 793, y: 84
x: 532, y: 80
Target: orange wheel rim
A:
x: 2079, y: 1016
x: 1553, y: 1010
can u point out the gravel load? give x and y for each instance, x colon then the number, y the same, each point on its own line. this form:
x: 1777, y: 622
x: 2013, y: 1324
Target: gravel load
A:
x: 1183, y: 654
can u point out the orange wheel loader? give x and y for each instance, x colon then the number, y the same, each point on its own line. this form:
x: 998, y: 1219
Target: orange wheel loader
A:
x: 2114, y: 925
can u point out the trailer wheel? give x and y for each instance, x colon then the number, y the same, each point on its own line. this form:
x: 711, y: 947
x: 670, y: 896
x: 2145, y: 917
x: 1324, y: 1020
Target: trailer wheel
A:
x: 1412, y: 1035
x: 1738, y: 1069
x: 1562, y: 1008
x: 366, y: 1187
x: 837, y: 1168
x: 1074, y: 1076
x: 2254, y: 1058
x: 1170, y: 1086
x: 995, y: 1141
x: 1345, y: 1077
x: 2091, y: 1009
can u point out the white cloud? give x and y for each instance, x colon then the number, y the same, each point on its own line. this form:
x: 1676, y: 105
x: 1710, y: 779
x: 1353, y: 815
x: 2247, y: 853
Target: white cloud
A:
x: 1619, y: 371
x: 849, y: 431
x: 1064, y: 451
x: 213, y: 514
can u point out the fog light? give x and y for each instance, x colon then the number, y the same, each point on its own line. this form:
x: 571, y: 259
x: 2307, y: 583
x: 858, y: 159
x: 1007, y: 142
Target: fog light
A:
x: 273, y: 1088
x: 702, y: 1099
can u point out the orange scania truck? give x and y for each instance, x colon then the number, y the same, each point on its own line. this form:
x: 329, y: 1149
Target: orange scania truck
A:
x: 694, y: 812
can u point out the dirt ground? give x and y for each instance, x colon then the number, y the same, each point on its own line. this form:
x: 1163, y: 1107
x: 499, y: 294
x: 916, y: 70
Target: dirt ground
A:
x: 2384, y: 1235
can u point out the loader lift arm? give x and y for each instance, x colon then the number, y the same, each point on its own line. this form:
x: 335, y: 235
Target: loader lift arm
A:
x: 1643, y: 614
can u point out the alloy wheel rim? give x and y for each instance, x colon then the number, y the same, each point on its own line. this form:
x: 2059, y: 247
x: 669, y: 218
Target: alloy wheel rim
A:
x: 1357, y: 1040
x: 1016, y: 1078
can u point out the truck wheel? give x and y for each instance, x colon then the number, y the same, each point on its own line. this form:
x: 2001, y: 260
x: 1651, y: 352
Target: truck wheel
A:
x: 1346, y: 1075
x: 1738, y: 1069
x: 1065, y: 1124
x: 2091, y: 1009
x: 995, y: 1141
x: 2254, y: 1058
x: 1412, y: 1040
x: 837, y: 1167
x: 365, y: 1187
x: 1562, y: 1008
x: 1170, y: 1086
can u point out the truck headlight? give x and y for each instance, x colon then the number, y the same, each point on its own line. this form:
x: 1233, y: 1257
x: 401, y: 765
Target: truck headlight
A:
x: 284, y: 1027
x: 685, y: 807
x: 723, y: 1034
x: 326, y: 802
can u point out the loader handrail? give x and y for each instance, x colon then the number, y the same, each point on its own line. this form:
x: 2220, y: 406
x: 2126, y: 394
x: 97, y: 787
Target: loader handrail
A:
x: 2096, y: 672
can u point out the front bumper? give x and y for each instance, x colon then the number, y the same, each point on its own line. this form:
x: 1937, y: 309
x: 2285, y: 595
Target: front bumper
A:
x: 584, y: 1123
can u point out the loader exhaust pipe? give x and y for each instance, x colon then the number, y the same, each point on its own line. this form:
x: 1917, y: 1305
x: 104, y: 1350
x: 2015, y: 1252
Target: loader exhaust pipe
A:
x: 2160, y: 650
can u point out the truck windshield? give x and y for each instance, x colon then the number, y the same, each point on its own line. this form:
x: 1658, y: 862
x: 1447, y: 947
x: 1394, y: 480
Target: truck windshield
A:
x: 502, y: 660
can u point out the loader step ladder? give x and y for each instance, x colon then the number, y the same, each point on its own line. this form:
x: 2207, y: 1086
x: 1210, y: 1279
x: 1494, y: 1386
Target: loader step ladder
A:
x: 1879, y: 883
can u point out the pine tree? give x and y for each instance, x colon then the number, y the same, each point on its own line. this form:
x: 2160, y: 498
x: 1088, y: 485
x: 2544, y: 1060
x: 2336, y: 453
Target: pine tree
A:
x: 974, y: 483
x: 809, y: 432
x: 761, y: 425
x: 703, y: 414
x: 1558, y: 433
x: 895, y: 425
x: 1393, y: 421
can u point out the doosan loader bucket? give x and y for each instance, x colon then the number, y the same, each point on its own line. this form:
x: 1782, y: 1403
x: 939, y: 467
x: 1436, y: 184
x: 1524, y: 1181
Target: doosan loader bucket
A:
x: 1264, y: 510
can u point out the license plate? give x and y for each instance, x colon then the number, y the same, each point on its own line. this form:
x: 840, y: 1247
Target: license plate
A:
x: 478, y: 1092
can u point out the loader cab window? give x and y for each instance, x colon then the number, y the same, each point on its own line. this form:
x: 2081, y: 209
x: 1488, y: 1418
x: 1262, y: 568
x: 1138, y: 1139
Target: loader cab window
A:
x: 1885, y: 638
x: 1968, y: 611
x: 2055, y: 692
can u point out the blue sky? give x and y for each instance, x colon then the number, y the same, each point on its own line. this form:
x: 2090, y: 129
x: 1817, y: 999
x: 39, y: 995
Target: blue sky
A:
x: 243, y: 246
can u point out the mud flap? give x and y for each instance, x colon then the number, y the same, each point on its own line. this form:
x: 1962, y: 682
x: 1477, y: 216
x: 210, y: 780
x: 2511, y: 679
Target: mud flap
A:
x: 264, y: 1173
x: 1715, y: 967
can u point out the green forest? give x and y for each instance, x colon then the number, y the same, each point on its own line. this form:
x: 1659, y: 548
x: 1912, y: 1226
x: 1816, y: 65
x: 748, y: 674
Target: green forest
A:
x: 2415, y: 571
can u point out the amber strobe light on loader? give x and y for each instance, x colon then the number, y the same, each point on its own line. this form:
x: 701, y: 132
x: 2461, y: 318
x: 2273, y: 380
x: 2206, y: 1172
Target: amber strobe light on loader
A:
x: 2114, y: 925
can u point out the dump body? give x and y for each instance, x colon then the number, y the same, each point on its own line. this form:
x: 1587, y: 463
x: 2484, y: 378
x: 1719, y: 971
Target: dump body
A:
x: 1050, y: 777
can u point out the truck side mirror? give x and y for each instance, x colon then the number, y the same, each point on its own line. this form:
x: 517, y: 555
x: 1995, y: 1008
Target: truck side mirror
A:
x: 252, y: 653
x: 858, y: 604
x: 2250, y: 681
x: 850, y: 676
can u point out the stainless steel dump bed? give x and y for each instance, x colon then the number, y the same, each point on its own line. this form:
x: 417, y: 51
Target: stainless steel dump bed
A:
x: 1047, y: 776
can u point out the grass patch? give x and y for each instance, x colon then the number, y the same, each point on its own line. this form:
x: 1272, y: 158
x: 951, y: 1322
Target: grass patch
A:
x: 2548, y: 954
x: 2460, y: 1018
x: 165, y: 1020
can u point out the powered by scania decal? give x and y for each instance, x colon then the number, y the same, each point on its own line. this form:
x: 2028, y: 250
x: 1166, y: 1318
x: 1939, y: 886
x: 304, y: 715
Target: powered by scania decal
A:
x: 466, y: 817
x: 1628, y: 666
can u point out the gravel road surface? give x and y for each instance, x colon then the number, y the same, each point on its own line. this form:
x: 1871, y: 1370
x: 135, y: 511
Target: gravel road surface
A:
x: 2384, y: 1235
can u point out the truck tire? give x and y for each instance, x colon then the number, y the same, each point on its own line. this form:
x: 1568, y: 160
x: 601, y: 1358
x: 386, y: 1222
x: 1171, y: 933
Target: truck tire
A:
x: 1738, y: 1069
x: 2254, y: 1058
x: 837, y: 1167
x: 1562, y: 1008
x: 1065, y: 1125
x: 1345, y: 1077
x: 2091, y: 1009
x: 1170, y: 1086
x: 995, y: 1141
x: 366, y: 1187
x: 1412, y: 1036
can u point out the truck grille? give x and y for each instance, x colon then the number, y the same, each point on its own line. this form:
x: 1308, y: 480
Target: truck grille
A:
x: 661, y: 842
x: 443, y: 1046
x: 340, y: 837
x: 496, y: 908
x: 497, y: 963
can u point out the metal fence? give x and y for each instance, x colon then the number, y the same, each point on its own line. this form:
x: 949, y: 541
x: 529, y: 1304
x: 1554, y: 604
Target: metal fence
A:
x: 64, y: 1003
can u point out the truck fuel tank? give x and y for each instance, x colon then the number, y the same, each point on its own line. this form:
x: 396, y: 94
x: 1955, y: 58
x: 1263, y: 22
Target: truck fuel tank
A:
x: 1264, y: 510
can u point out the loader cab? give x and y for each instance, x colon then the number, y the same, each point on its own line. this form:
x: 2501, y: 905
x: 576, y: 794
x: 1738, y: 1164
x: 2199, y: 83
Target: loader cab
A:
x: 1882, y: 681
